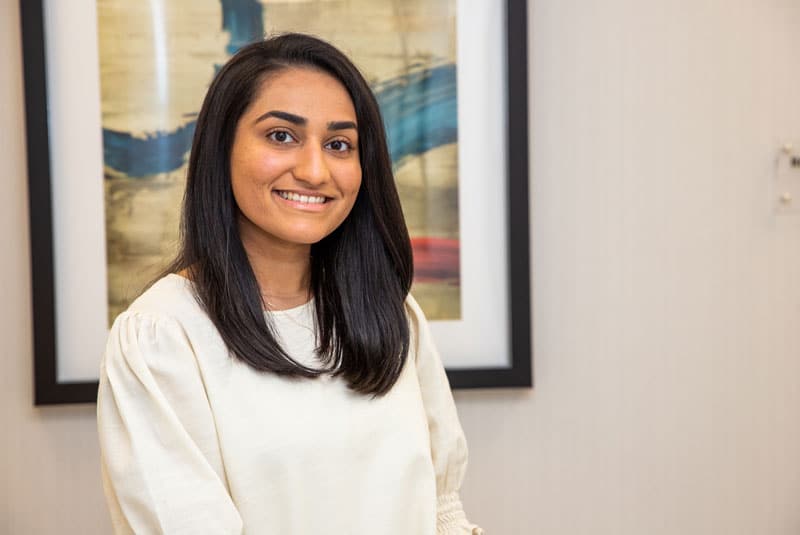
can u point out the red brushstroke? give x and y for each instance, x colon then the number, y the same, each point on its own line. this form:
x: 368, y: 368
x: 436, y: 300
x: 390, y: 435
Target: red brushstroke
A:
x: 436, y: 259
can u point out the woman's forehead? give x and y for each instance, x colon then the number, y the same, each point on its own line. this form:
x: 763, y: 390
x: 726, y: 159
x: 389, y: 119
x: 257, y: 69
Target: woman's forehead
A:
x: 302, y: 90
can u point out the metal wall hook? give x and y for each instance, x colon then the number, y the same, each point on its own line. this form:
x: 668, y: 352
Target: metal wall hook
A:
x: 786, y: 181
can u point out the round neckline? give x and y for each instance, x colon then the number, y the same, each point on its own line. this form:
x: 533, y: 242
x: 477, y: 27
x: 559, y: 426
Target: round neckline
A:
x: 290, y: 311
x: 286, y: 311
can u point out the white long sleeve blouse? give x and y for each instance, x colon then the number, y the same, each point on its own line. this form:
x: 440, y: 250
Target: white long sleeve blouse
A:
x: 194, y: 441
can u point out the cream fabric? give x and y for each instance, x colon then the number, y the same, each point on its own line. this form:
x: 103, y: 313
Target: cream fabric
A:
x: 195, y: 442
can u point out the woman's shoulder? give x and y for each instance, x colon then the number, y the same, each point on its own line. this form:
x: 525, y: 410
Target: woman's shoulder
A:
x: 158, y: 334
x: 414, y: 312
x: 417, y: 323
x: 170, y: 297
x: 162, y: 321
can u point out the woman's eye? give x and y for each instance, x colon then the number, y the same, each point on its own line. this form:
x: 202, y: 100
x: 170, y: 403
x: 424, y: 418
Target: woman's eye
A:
x: 280, y: 136
x: 339, y: 145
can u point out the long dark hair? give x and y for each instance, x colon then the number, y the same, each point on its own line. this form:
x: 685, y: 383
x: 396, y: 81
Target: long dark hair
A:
x: 360, y: 274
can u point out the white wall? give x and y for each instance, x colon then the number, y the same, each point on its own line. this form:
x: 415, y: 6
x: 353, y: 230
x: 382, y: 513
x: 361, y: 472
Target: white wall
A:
x: 666, y: 295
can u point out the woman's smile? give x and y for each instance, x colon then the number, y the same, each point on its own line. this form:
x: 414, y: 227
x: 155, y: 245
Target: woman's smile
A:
x: 305, y: 201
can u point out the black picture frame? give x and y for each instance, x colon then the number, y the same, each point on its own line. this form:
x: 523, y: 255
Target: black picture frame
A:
x: 48, y: 390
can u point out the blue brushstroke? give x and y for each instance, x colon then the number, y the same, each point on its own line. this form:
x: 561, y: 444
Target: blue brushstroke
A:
x: 419, y: 110
x: 244, y: 22
x: 159, y: 152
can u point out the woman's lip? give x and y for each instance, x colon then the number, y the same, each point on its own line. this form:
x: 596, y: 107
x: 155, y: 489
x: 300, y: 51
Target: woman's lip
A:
x: 304, y: 206
x: 303, y: 192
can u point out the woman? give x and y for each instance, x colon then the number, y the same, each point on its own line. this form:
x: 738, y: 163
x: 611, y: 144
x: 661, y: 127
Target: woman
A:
x: 279, y: 378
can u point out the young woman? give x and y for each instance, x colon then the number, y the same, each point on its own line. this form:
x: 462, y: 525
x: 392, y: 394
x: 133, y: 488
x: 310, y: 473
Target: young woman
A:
x: 279, y: 379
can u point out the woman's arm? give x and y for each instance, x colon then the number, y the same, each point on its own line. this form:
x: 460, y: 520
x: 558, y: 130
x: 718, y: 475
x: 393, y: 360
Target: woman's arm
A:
x: 162, y: 469
x: 448, y: 445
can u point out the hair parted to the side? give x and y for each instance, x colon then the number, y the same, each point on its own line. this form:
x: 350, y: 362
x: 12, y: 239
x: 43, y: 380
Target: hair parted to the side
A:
x: 360, y: 274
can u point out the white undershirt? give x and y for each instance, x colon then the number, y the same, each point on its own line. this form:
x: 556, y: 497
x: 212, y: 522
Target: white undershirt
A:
x: 194, y: 441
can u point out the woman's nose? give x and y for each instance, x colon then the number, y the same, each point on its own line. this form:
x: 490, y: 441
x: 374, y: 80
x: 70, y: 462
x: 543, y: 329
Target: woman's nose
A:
x: 311, y: 166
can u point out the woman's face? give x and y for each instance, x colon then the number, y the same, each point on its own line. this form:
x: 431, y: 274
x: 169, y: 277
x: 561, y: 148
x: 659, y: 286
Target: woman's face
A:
x: 295, y: 169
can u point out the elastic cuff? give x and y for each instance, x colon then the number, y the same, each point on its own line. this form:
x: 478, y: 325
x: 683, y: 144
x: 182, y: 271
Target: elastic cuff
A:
x: 450, y: 518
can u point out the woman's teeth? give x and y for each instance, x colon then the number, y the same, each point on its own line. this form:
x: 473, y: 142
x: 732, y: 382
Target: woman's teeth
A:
x: 307, y: 199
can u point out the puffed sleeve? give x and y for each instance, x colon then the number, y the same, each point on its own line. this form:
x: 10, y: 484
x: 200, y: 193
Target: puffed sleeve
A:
x: 162, y: 469
x: 448, y: 445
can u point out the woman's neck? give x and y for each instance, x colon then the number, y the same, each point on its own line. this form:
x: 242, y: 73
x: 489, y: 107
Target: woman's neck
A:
x: 282, y: 270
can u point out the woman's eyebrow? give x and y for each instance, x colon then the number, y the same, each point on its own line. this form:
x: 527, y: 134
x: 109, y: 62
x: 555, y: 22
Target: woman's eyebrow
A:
x: 342, y: 125
x: 285, y: 115
x: 302, y: 121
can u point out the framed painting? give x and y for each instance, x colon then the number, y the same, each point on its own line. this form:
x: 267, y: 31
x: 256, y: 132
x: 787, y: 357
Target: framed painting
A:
x: 112, y: 90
